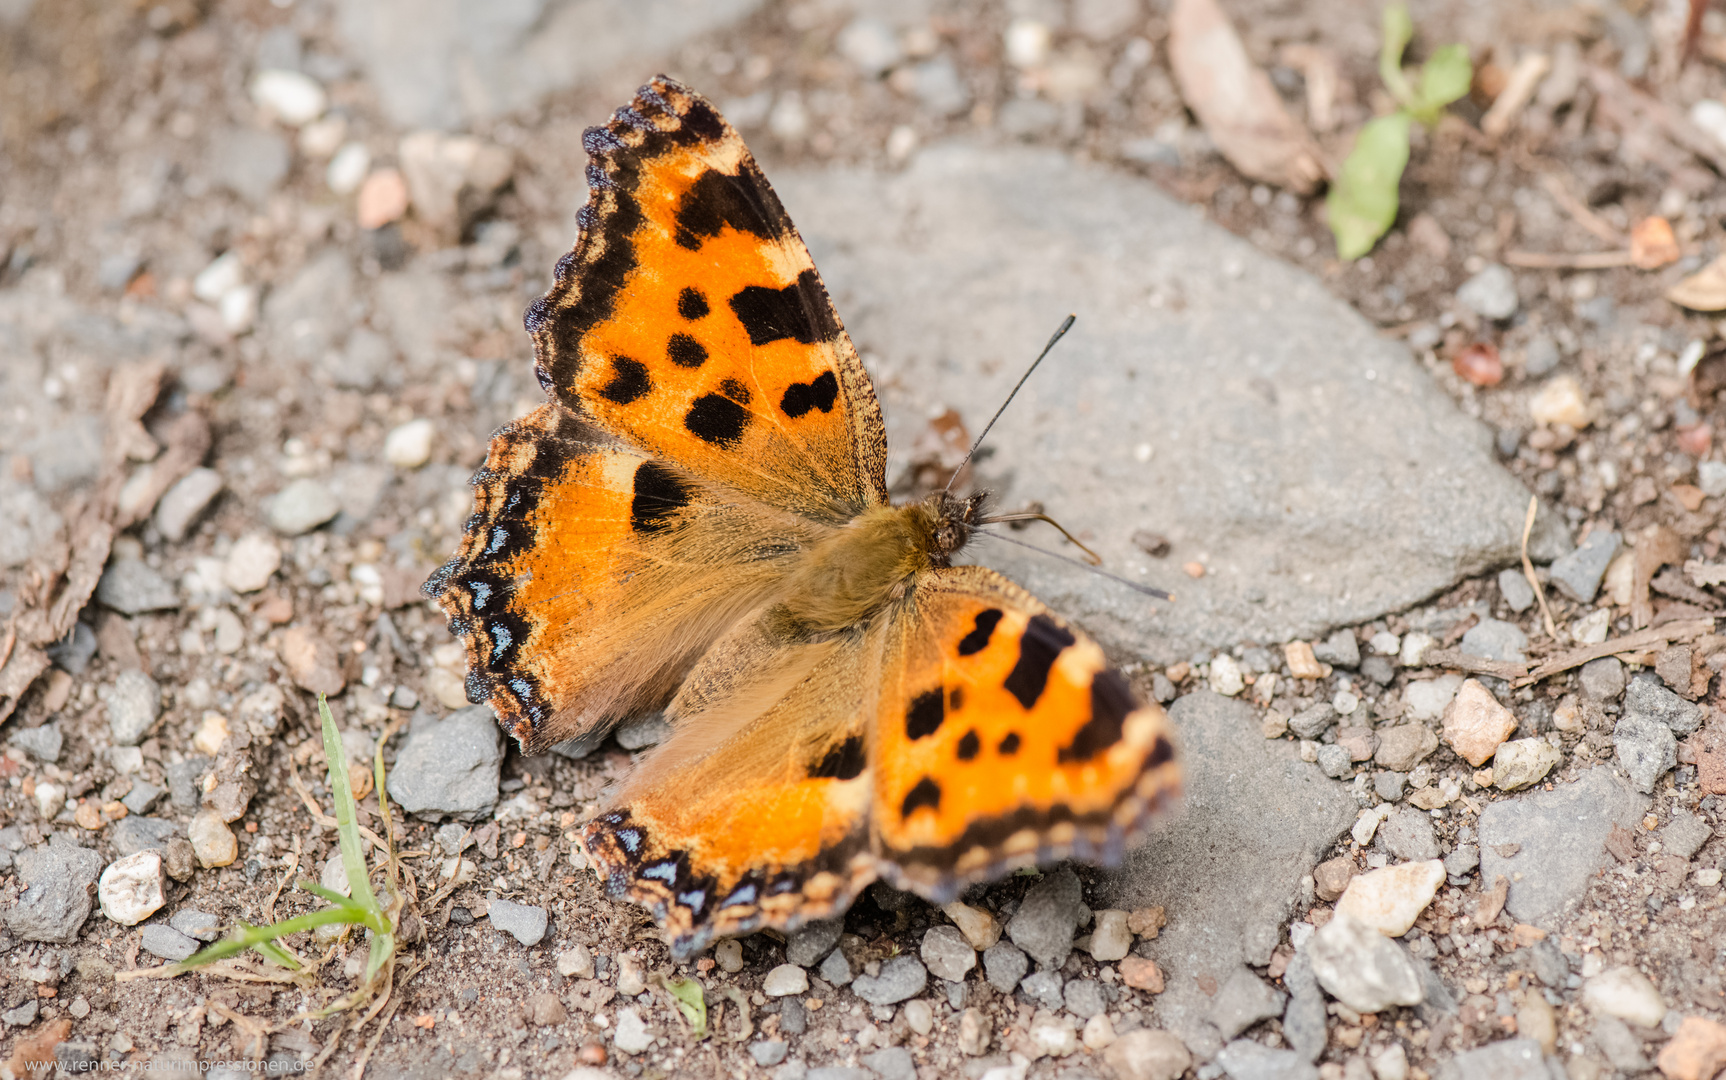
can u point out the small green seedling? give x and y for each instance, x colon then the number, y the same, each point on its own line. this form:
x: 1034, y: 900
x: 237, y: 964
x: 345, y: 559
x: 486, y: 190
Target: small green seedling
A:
x: 361, y: 909
x: 690, y: 1002
x: 1363, y: 198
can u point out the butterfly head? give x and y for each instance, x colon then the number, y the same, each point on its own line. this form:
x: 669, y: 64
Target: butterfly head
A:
x: 955, y: 518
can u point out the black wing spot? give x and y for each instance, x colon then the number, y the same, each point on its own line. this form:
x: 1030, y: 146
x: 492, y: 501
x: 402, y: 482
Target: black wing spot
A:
x: 924, y: 716
x: 956, y: 699
x: 692, y: 305
x: 1111, y: 701
x: 1162, y: 752
x: 715, y: 201
x: 969, y: 746
x: 926, y: 793
x: 659, y: 494
x: 819, y: 393
x: 1042, y: 641
x: 717, y: 420
x: 798, y: 311
x: 736, y: 391
x: 843, y: 762
x: 629, y: 381
x: 981, y: 631
x: 685, y: 351
x: 1009, y: 746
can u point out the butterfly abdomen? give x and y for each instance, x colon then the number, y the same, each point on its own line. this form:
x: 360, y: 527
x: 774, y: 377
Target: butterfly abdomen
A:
x: 856, y: 571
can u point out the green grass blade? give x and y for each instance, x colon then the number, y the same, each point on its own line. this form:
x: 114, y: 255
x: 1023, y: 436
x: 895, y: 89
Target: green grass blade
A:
x: 1363, y: 198
x: 1443, y: 79
x: 1398, y: 32
x: 347, y: 831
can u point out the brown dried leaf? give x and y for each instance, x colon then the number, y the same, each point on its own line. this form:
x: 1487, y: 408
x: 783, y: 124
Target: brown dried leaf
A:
x: 1658, y: 547
x: 1705, y: 290
x: 1236, y: 102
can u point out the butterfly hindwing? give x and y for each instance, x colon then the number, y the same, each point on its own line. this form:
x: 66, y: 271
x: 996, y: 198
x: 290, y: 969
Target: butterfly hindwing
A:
x: 689, y: 320
x: 1003, y: 738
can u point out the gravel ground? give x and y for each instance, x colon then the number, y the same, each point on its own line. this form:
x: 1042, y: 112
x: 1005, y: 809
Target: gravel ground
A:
x: 253, y: 416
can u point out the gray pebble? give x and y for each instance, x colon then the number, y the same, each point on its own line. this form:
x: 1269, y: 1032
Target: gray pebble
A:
x: 525, y: 922
x: 1004, y: 964
x: 59, y: 878
x: 181, y: 504
x: 450, y: 767
x: 42, y: 743
x: 939, y: 87
x: 196, y: 924
x: 1517, y: 592
x: 643, y: 732
x: 1646, y: 699
x: 768, y: 1052
x: 1495, y: 639
x: 116, y: 271
x: 1389, y: 786
x: 131, y: 587
x: 1340, y: 649
x: 793, y: 1017
x: 825, y: 1072
x: 134, y: 702
x: 249, y: 162
x: 1243, y: 1001
x: 1509, y: 1059
x: 1312, y: 721
x: 808, y: 945
x: 1711, y: 478
x: 168, y: 943
x: 302, y: 506
x: 1463, y: 861
x: 1304, y: 1018
x: 871, y: 45
x: 1245, y: 1059
x: 1602, y: 679
x: 1044, y: 924
x: 901, y: 977
x: 893, y: 1063
x: 1044, y: 988
x: 183, y: 778
x: 947, y: 954
x: 1335, y: 761
x: 1085, y: 998
x: 1646, y: 750
x: 23, y: 1016
x: 1548, y: 963
x: 134, y: 833
x: 1577, y: 575
x: 142, y: 798
x: 1685, y: 834
x: 1540, y: 357
x: 1378, y: 669
x: 453, y: 838
x: 1162, y: 689
x: 836, y: 969
x: 1491, y: 293
x: 1407, y: 835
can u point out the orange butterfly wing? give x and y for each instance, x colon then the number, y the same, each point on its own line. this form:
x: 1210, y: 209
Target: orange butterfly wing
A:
x: 689, y: 320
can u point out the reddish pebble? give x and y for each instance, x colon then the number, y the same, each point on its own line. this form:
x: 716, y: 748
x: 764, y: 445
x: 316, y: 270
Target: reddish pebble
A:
x: 1479, y: 364
x: 1142, y: 974
x: 1696, y: 440
x: 1194, y: 569
x: 592, y: 1053
x: 383, y: 198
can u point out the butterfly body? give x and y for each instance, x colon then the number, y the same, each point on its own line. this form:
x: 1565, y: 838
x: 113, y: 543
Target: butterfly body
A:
x: 698, y: 523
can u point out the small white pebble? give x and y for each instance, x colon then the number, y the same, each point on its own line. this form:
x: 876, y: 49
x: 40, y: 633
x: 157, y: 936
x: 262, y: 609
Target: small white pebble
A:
x: 409, y: 445
x: 295, y: 97
x: 785, y: 980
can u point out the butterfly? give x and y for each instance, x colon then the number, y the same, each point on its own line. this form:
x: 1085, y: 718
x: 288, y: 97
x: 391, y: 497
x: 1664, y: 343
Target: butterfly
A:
x: 698, y: 522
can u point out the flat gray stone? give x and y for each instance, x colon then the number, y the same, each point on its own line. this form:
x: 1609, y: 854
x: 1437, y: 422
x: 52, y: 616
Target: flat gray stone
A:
x: 302, y: 506
x: 134, y: 702
x: 131, y: 587
x: 893, y: 1063
x: 1646, y: 750
x: 450, y: 767
x: 947, y: 954
x: 1304, y: 1018
x: 142, y: 798
x: 42, y: 743
x: 1254, y: 820
x: 1510, y: 1059
x: 1044, y: 988
x: 524, y: 922
x: 59, y: 879
x: 1243, y: 1001
x: 183, y: 777
x: 768, y: 1051
x: 808, y: 945
x: 644, y: 732
x: 1495, y: 639
x: 836, y: 969
x: 181, y: 504
x: 1407, y: 834
x: 1288, y: 396
x: 1004, y: 964
x: 901, y: 977
x: 248, y: 162
x: 1245, y: 1059
x: 1514, y: 587
x: 1685, y: 834
x: 448, y: 63
x: 134, y: 833
x: 1647, y: 699
x: 196, y: 924
x: 1602, y: 679
x: 1562, y: 837
x: 1577, y: 575
x: 1085, y: 998
x: 1491, y: 292
x: 1044, y: 924
x: 1341, y: 649
x: 162, y: 940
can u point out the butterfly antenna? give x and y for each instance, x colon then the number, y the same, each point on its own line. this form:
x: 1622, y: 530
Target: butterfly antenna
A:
x: 1133, y: 585
x: 1025, y: 515
x: 1066, y: 325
